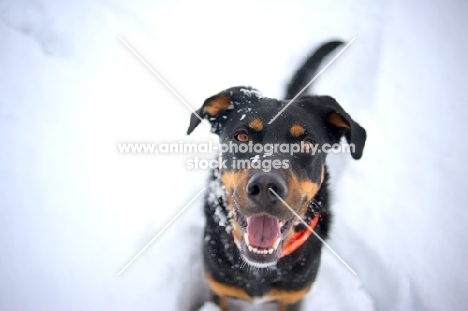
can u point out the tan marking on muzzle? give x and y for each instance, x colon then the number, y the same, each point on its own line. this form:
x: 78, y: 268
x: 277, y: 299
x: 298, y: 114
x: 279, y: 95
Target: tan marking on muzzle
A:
x: 298, y: 190
x: 233, y: 181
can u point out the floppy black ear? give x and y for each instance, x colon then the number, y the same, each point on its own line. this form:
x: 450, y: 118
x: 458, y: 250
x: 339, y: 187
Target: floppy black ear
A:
x: 217, y: 106
x: 339, y: 122
x: 212, y: 108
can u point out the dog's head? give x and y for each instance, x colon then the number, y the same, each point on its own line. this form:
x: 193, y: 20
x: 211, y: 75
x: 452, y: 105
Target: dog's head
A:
x: 260, y: 161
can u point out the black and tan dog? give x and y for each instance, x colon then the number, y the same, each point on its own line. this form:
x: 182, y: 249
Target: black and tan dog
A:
x: 255, y: 248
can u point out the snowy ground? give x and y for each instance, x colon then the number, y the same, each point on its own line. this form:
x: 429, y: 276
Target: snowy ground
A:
x: 74, y: 211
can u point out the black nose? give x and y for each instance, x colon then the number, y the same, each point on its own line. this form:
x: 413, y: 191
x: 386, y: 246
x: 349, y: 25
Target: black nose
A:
x: 258, y: 188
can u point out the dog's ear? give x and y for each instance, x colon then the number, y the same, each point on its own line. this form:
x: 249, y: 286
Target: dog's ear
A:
x: 212, y: 109
x: 338, y: 122
x: 216, y: 108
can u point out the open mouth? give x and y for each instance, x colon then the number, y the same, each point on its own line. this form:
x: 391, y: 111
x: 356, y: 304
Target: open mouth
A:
x: 262, y: 238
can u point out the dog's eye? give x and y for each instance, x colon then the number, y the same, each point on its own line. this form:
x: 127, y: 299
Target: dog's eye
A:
x: 307, y: 145
x: 242, y: 136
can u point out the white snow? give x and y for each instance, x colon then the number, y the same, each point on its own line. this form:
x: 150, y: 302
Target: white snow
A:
x: 74, y: 211
x: 215, y: 191
x: 255, y: 158
x: 252, y: 93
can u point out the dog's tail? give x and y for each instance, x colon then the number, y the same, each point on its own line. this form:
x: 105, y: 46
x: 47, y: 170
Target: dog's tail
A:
x: 309, y: 68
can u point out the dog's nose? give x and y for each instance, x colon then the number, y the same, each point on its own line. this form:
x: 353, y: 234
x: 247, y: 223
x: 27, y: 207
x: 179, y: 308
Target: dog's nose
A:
x: 258, y: 188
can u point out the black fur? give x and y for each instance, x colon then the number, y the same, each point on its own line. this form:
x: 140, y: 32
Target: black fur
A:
x: 235, y: 108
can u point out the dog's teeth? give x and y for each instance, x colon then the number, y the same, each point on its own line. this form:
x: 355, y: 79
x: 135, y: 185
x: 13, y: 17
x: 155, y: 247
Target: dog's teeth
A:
x: 281, y: 223
x: 261, y: 251
x: 246, y: 238
x: 277, y: 242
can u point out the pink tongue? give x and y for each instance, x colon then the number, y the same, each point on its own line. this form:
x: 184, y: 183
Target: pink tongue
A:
x: 263, y: 231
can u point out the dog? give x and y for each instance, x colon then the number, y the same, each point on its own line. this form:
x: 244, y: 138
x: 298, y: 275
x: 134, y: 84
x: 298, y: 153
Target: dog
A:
x: 258, y: 218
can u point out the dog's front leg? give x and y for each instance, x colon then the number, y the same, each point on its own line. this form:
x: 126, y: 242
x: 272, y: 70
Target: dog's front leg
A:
x: 221, y: 302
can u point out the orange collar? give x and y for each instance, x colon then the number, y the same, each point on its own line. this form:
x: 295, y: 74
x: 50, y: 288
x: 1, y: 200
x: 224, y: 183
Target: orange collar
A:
x: 299, y: 238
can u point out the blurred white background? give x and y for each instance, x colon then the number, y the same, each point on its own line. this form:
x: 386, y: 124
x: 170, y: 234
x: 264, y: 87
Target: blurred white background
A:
x: 74, y: 211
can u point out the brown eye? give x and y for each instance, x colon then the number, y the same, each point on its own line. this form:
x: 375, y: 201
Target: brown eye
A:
x: 307, y: 144
x: 242, y: 136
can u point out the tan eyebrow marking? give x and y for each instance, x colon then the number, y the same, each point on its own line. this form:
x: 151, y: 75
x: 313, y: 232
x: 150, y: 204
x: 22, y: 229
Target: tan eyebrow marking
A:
x: 256, y: 125
x: 296, y: 130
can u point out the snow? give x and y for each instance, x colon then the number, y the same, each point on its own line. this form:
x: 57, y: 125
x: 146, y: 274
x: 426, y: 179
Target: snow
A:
x: 208, y: 306
x: 252, y: 93
x: 255, y: 158
x: 214, y: 192
x: 74, y: 211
